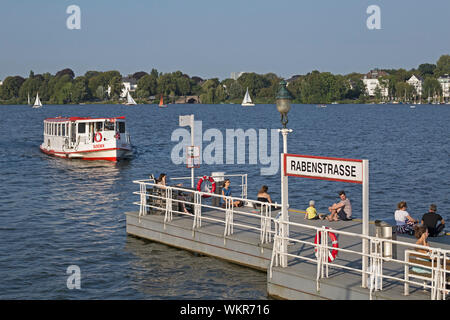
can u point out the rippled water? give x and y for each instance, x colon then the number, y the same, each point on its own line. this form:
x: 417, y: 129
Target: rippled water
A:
x: 56, y: 213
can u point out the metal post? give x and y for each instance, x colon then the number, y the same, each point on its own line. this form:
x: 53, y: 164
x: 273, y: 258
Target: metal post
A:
x: 284, y: 200
x: 192, y: 143
x: 365, y: 225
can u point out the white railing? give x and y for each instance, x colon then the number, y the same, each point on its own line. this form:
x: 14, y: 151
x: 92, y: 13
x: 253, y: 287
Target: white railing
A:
x: 381, y: 267
x: 162, y: 198
x: 242, y: 185
x: 436, y: 281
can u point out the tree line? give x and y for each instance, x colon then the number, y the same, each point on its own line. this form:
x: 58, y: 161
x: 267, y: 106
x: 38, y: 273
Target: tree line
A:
x: 314, y: 87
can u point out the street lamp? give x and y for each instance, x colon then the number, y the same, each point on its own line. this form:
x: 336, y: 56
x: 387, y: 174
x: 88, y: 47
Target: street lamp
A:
x: 283, y: 107
x: 283, y: 102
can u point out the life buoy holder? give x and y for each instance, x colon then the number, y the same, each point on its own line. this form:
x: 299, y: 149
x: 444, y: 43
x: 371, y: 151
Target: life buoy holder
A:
x: 210, y: 179
x: 98, y: 137
x: 334, y: 243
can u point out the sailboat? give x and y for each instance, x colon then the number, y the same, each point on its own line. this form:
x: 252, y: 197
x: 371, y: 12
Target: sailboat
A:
x: 247, y: 102
x: 37, y: 102
x: 161, y: 103
x: 130, y: 100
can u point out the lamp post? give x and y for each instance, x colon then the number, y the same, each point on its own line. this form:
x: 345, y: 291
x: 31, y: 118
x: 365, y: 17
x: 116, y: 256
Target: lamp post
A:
x: 283, y: 107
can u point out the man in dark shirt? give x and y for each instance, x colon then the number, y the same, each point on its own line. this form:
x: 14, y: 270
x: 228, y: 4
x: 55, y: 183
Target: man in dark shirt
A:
x: 431, y: 219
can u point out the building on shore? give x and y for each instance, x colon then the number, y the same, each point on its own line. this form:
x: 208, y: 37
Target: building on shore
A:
x: 372, y: 82
x: 445, y: 84
x: 129, y: 85
x: 416, y: 82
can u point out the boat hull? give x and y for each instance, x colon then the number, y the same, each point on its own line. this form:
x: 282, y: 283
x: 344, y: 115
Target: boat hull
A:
x: 248, y: 104
x: 112, y: 154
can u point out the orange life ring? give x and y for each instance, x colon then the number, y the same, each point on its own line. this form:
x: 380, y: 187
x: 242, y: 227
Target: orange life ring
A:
x: 210, y: 179
x: 334, y: 243
x: 98, y: 137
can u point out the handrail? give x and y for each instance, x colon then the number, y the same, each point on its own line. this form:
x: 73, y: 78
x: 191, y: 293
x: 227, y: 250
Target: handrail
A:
x: 377, y: 261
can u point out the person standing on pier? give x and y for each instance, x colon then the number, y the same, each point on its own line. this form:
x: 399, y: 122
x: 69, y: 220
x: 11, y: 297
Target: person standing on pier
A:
x: 341, y: 210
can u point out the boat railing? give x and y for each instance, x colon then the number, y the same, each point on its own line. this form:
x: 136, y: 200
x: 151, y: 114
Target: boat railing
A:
x: 168, y: 200
x: 383, y: 264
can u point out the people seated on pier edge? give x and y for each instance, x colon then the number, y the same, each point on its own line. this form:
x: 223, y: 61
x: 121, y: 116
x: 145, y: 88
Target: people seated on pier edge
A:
x: 403, y: 220
x: 263, y: 196
x: 431, y: 219
x: 341, y: 210
x: 421, y: 234
x: 162, y: 181
x: 226, y: 192
x: 311, y: 212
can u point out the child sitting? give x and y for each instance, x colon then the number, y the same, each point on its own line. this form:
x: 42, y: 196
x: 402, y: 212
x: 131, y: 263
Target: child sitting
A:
x: 311, y: 213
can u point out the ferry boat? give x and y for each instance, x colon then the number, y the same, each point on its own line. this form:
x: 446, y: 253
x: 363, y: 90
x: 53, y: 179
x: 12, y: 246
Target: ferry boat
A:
x: 87, y: 138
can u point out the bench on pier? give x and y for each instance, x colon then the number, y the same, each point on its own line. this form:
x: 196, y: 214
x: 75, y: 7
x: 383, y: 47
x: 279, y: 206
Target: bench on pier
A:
x: 425, y: 273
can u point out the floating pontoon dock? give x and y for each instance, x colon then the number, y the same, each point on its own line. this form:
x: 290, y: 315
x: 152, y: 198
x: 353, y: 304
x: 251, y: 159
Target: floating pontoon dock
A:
x: 250, y: 236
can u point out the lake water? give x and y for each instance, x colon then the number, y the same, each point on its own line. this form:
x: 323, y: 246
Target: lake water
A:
x: 56, y: 213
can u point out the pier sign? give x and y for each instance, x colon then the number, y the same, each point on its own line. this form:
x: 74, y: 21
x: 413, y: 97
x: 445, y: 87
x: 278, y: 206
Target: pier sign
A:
x: 324, y: 168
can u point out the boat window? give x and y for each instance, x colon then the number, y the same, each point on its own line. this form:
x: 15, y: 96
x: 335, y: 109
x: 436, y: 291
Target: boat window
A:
x: 59, y: 129
x: 82, y: 127
x: 109, y: 126
x: 121, y: 127
x: 98, y: 126
x: 63, y: 129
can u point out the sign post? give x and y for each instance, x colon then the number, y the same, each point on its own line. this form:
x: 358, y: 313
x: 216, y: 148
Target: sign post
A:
x: 336, y: 169
x: 188, y: 120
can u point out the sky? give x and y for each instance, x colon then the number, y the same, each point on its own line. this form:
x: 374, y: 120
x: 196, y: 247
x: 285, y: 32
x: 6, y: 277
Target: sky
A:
x: 212, y: 38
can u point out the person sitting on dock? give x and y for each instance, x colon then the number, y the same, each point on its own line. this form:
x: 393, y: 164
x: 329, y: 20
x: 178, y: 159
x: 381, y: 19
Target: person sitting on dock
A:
x: 431, y: 219
x: 341, y: 210
x: 263, y: 196
x: 421, y: 234
x: 226, y: 192
x: 404, y: 222
x: 311, y: 212
x: 162, y: 181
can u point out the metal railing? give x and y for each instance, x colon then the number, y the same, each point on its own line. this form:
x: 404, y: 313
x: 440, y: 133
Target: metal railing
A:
x: 318, y: 252
x: 242, y: 185
x: 436, y: 279
x: 169, y: 200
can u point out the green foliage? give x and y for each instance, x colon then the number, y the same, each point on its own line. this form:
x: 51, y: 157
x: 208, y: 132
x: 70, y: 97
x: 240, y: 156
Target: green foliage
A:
x: 314, y: 87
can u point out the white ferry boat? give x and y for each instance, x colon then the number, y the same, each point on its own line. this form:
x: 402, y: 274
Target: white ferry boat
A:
x: 87, y: 138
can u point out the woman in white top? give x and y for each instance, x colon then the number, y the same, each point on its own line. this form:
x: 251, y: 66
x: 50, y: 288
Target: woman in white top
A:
x: 404, y: 221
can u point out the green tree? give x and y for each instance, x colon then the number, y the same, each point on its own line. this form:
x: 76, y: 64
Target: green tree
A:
x: 431, y: 88
x: 10, y: 88
x: 426, y: 69
x: 116, y: 87
x: 442, y: 66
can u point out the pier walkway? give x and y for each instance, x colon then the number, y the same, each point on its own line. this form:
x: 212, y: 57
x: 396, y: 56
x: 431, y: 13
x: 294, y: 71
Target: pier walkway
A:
x: 250, y: 237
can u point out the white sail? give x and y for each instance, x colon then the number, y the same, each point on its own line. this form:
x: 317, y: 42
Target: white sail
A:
x: 37, y: 102
x: 130, y: 100
x: 247, y: 100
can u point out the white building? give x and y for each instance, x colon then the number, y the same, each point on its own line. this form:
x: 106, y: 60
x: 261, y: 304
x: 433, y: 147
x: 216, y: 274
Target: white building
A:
x: 445, y: 84
x: 416, y: 82
x: 129, y: 84
x: 371, y: 82
x: 236, y: 75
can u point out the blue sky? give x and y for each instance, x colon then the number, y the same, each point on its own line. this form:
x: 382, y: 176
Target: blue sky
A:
x: 211, y: 38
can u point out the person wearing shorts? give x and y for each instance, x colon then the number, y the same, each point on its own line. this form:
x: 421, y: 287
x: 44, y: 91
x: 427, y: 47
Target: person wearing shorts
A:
x: 341, y: 210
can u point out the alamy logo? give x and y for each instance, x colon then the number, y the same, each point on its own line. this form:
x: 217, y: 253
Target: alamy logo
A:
x: 74, y: 20
x: 218, y: 153
x: 374, y: 20
x: 74, y: 279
